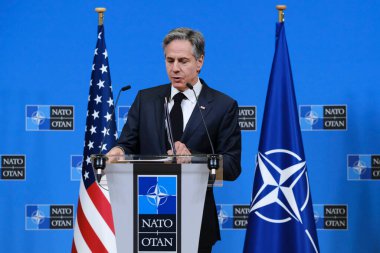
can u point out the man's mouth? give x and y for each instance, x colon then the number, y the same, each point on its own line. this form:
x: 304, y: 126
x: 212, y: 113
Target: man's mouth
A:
x: 176, y: 79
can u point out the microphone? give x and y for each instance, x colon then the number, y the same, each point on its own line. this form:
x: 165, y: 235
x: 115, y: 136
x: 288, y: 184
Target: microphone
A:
x: 213, y: 160
x: 99, y: 160
x: 169, y: 131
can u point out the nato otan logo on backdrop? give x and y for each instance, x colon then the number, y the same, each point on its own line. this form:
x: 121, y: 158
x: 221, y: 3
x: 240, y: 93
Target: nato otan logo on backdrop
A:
x: 49, y: 117
x: 247, y: 118
x: 232, y: 216
x: 331, y: 217
x: 323, y: 117
x: 45, y: 217
x: 122, y: 118
x: 363, y: 167
x: 13, y: 167
x: 157, y: 213
x: 76, y: 167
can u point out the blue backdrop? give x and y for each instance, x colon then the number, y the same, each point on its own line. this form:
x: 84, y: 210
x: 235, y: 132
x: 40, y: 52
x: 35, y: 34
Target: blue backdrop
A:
x: 46, y: 56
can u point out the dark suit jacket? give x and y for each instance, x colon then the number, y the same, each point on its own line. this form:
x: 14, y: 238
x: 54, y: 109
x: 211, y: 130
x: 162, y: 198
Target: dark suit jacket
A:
x: 144, y: 133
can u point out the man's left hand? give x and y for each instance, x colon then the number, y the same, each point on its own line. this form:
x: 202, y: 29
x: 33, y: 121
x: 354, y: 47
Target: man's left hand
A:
x: 180, y: 148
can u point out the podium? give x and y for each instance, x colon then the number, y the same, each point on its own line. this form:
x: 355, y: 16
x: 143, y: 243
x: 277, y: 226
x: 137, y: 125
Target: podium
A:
x: 157, y: 202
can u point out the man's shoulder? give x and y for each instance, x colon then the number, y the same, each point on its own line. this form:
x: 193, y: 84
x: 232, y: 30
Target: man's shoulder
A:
x: 156, y: 90
x: 218, y: 95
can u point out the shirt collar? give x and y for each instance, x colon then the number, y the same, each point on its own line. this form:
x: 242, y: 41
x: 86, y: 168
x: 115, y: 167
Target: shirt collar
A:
x: 189, y: 93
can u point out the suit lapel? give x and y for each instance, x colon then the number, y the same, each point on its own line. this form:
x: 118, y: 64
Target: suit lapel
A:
x: 206, y: 106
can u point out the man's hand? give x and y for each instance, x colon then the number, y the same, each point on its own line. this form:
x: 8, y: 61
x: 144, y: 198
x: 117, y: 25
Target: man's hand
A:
x: 181, y: 150
x: 115, y: 154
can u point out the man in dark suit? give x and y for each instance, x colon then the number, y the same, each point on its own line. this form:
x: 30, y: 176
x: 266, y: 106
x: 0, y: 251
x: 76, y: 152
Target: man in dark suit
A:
x: 145, y: 130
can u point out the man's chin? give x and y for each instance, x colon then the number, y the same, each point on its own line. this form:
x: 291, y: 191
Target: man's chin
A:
x: 179, y: 86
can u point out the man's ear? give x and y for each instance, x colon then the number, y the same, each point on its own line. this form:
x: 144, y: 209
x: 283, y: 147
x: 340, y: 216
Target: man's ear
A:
x: 200, y: 63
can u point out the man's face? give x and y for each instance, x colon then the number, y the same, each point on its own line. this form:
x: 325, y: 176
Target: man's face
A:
x: 181, y: 65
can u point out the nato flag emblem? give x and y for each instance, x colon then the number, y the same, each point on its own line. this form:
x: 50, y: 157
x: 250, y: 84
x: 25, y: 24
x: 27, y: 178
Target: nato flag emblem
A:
x: 157, y: 213
x: 49, y: 117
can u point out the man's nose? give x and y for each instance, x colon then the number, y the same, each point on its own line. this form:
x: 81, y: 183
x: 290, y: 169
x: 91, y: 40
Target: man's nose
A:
x: 176, y: 67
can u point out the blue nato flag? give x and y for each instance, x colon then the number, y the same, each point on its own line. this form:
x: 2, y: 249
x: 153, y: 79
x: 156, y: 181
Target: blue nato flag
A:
x: 281, y: 215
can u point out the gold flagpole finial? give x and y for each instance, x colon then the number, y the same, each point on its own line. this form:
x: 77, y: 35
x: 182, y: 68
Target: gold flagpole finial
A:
x: 100, y: 11
x: 280, y: 9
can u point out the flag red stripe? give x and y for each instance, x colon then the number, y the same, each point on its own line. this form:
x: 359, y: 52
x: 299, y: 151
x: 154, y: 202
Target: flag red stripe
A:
x: 73, y: 248
x: 102, y: 204
x: 88, y: 233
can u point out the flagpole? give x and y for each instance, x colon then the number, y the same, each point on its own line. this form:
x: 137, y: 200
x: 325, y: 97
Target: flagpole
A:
x: 280, y: 9
x: 100, y: 11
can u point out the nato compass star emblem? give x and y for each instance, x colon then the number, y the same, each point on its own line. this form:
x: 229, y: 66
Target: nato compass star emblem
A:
x: 359, y: 167
x: 316, y: 217
x: 277, y: 187
x: 38, y: 217
x: 78, y: 167
x: 38, y: 118
x: 157, y: 195
x: 222, y: 217
x: 125, y: 117
x: 311, y: 118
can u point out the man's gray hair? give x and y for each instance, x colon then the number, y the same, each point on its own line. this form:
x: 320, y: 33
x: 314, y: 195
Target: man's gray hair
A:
x: 194, y: 37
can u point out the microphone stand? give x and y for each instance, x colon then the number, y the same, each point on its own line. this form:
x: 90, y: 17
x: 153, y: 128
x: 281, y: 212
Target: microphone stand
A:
x: 169, y: 131
x: 213, y: 159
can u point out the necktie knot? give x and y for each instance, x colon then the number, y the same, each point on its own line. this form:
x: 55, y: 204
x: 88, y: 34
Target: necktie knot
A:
x: 179, y: 97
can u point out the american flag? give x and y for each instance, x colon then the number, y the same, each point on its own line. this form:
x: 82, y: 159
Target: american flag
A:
x: 94, y: 229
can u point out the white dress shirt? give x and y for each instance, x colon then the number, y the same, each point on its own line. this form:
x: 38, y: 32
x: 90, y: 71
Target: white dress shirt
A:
x: 188, y: 104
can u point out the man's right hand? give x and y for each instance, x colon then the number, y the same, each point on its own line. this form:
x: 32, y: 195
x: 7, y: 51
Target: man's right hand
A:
x: 115, y: 154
